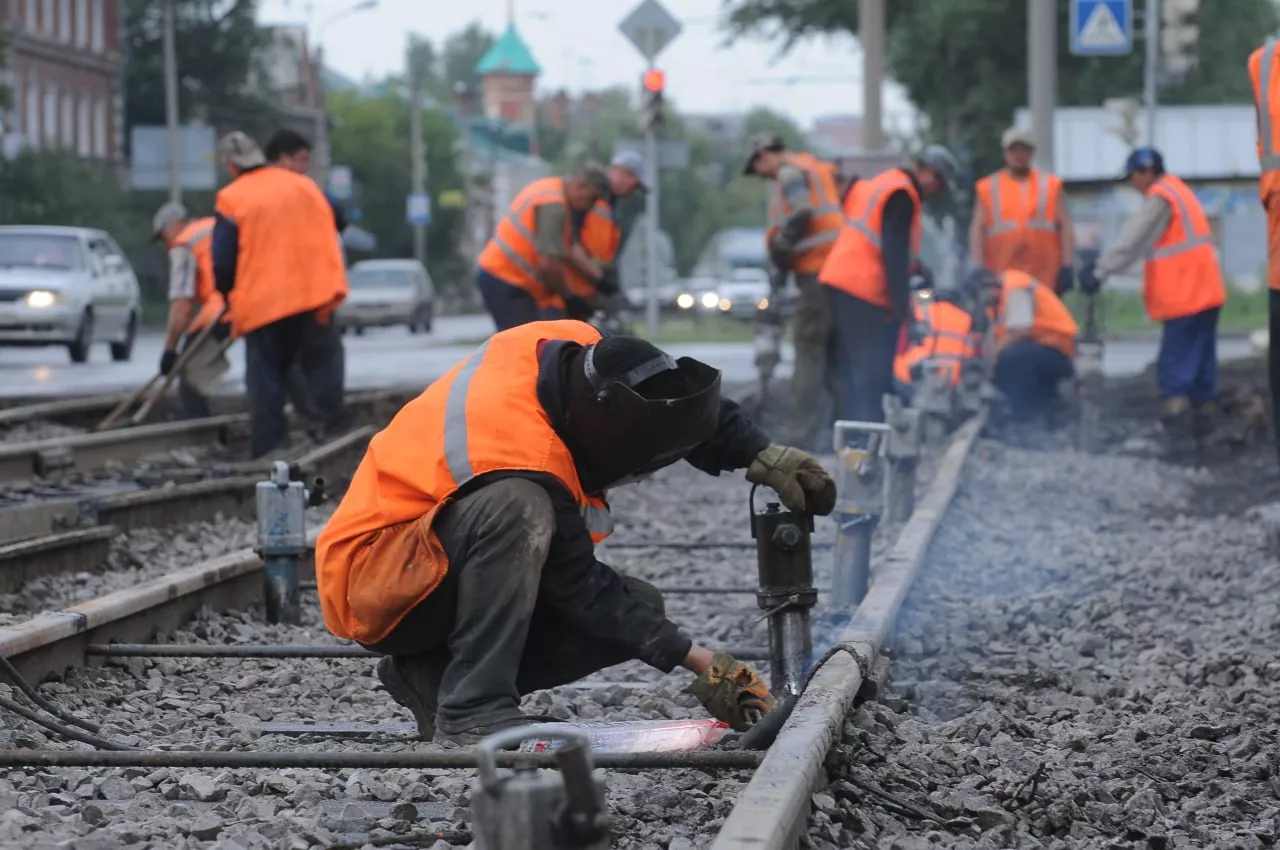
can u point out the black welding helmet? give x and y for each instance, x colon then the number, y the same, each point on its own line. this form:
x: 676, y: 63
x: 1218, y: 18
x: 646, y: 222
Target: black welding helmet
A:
x: 633, y: 409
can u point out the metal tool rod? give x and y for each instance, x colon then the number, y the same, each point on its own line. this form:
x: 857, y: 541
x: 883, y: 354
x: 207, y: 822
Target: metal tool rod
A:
x: 461, y: 759
x: 704, y: 544
x: 676, y: 590
x: 790, y: 649
x: 852, y: 561
x: 900, y: 490
x: 202, y: 650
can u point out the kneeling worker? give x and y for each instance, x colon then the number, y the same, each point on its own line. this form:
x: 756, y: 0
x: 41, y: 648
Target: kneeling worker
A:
x: 463, y: 549
x: 945, y: 332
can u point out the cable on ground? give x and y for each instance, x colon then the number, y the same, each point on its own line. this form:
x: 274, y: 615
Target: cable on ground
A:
x: 62, y: 730
x: 16, y: 679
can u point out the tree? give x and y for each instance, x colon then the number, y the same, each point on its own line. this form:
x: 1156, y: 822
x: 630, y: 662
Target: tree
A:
x: 763, y: 120
x: 462, y: 52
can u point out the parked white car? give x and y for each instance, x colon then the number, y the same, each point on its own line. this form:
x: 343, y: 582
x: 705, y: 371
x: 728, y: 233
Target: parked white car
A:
x: 388, y: 292
x: 67, y: 286
x: 744, y: 293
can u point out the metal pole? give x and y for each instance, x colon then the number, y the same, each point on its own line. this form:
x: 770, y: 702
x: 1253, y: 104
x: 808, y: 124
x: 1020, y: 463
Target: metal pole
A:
x: 171, y: 102
x: 418, y: 166
x: 651, y: 232
x: 1042, y: 75
x: 871, y: 35
x: 1151, y: 68
x: 320, y: 168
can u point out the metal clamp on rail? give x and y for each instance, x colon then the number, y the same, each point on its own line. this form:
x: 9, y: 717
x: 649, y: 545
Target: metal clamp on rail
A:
x: 784, y: 561
x: 860, y: 472
x: 529, y: 809
x: 282, y: 541
x: 935, y: 398
x: 902, y: 450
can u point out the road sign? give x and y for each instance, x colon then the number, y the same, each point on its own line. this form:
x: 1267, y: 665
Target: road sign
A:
x: 149, y: 158
x: 340, y: 184
x: 650, y: 27
x: 417, y: 209
x: 453, y: 199
x: 670, y: 154
x: 1101, y: 27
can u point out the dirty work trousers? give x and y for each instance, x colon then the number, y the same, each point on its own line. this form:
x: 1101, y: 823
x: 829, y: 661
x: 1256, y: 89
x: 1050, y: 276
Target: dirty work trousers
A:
x: 206, y: 365
x: 509, y: 305
x: 1028, y: 372
x: 811, y: 377
x: 1187, y: 365
x: 866, y: 340
x: 1273, y: 357
x: 484, y: 627
x: 270, y: 353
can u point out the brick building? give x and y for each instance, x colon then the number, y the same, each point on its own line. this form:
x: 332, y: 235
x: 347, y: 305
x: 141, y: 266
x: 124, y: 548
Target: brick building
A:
x: 64, y: 73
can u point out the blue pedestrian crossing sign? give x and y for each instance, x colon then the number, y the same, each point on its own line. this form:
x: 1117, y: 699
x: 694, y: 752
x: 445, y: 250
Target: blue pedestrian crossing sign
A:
x: 417, y: 209
x: 1101, y: 27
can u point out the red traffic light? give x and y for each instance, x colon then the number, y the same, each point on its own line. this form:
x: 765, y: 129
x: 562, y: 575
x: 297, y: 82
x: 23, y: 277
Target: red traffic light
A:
x: 654, y: 80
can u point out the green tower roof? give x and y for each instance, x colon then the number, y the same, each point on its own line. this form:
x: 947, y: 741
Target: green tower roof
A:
x: 509, y: 55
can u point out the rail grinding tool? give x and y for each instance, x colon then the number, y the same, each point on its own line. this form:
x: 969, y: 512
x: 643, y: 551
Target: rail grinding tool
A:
x: 784, y: 561
x: 282, y: 541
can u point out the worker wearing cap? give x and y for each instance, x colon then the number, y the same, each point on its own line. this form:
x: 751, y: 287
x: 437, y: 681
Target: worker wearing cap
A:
x: 1182, y: 285
x: 194, y: 304
x: 276, y: 261
x: 1020, y: 219
x: 464, y: 548
x: 804, y: 222
x: 868, y: 276
x: 600, y: 235
x: 521, y: 273
x: 1264, y: 71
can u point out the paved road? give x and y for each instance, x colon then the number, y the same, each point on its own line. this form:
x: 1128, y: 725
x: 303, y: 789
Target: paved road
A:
x: 394, y: 357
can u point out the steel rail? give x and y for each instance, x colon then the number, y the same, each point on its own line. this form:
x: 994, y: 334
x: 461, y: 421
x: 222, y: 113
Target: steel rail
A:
x: 267, y: 650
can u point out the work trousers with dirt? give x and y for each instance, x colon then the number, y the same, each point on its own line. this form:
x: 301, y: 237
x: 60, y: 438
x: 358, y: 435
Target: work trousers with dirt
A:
x: 315, y: 346
x: 1028, y: 372
x: 484, y: 632
x: 813, y: 374
x: 866, y: 341
x: 1273, y: 359
x: 1187, y: 364
x: 204, y: 366
x: 509, y: 305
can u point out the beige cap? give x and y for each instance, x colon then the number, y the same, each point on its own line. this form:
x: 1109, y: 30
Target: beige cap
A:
x: 240, y: 150
x: 171, y: 213
x: 1017, y: 136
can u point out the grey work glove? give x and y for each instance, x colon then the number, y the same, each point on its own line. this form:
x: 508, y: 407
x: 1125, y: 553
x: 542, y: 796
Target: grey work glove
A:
x: 797, y: 477
x: 731, y: 692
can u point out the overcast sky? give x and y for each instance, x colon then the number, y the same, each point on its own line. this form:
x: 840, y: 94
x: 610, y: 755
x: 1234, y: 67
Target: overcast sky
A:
x: 578, y: 45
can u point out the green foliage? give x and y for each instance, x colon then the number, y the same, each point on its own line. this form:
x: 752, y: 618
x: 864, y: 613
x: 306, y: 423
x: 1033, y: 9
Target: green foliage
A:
x: 462, y: 52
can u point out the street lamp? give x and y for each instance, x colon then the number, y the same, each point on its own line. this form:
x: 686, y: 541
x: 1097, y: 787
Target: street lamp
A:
x: 320, y: 164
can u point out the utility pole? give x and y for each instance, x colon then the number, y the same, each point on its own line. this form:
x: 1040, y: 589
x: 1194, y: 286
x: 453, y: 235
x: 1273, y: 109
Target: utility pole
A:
x: 871, y: 35
x: 1151, y: 67
x: 1042, y: 75
x: 171, y: 102
x: 418, y: 164
x: 652, y: 107
x: 320, y: 164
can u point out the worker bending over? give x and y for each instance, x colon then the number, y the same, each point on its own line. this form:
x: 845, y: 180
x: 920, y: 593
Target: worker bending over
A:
x: 1020, y: 219
x: 945, y: 340
x: 1264, y: 71
x: 600, y: 235
x: 276, y: 261
x: 804, y: 222
x: 522, y: 271
x: 463, y: 549
x: 194, y: 304
x: 1182, y: 286
x: 868, y: 274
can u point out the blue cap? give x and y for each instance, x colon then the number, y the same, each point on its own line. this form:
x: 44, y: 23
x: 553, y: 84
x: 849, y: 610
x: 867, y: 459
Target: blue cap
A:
x: 1144, y: 159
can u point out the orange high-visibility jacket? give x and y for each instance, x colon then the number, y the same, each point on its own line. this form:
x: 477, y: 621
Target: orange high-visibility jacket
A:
x: 289, y: 261
x: 1051, y: 325
x: 512, y: 253
x: 1020, y: 219
x: 1182, y: 276
x: 948, y: 343
x: 855, y: 264
x: 1264, y: 70
x: 198, y: 236
x: 483, y: 415
x: 808, y: 255
x: 600, y: 236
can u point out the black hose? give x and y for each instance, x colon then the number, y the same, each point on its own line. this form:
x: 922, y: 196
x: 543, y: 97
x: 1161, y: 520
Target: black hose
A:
x: 16, y: 679
x: 762, y: 735
x: 61, y: 729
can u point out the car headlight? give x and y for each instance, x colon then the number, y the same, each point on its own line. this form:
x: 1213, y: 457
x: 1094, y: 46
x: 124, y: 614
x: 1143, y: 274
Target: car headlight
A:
x: 710, y: 300
x: 762, y: 304
x: 684, y: 301
x: 41, y: 299
x: 725, y: 304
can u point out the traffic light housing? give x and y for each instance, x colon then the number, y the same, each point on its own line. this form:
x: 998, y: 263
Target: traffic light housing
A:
x: 1178, y: 35
x: 652, y: 109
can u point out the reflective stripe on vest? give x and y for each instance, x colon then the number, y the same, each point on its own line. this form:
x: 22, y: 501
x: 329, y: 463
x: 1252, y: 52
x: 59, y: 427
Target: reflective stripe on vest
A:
x: 513, y: 218
x: 1190, y: 240
x: 190, y: 240
x: 1040, y: 216
x: 862, y: 225
x: 1270, y: 158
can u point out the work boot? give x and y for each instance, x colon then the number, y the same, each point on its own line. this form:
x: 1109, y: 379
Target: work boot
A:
x: 1178, y: 421
x: 414, y: 683
x: 476, y: 734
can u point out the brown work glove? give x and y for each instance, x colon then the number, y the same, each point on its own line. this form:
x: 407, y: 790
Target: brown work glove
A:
x: 731, y: 691
x: 797, y: 477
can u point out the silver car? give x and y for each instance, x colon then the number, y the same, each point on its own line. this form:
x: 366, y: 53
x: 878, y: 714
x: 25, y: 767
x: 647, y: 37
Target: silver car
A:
x: 388, y: 292
x: 67, y: 286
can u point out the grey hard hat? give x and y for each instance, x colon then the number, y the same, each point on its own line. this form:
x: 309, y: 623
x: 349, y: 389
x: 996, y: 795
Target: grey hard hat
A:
x: 760, y: 143
x: 170, y: 213
x: 634, y: 162
x: 942, y: 161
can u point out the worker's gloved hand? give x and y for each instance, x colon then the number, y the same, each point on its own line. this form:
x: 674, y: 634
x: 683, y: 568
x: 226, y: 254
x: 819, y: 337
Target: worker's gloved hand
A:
x: 1066, y: 280
x: 1089, y: 282
x: 577, y: 307
x: 731, y: 691
x: 221, y: 331
x: 797, y: 477
x: 167, y: 361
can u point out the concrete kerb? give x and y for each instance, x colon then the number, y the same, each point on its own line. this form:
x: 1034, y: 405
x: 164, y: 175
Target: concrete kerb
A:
x: 770, y: 811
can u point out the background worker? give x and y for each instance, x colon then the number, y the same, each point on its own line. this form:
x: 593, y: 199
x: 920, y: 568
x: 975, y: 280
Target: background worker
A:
x: 804, y: 222
x: 464, y: 547
x: 194, y: 304
x: 945, y: 339
x: 1264, y: 71
x: 521, y: 272
x: 1182, y: 285
x: 868, y: 276
x: 277, y: 263
x: 600, y: 235
x: 1020, y: 220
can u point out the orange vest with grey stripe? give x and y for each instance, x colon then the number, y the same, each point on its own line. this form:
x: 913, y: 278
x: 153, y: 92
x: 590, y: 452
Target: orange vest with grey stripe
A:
x: 600, y: 236
x: 512, y: 253
x: 198, y: 236
x: 482, y: 416
x: 808, y: 255
x: 1182, y: 276
x: 1021, y: 221
x: 1264, y: 71
x: 948, y: 343
x: 856, y: 262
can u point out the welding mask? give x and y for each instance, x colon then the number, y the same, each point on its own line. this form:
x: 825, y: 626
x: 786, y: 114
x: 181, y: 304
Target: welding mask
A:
x: 622, y: 426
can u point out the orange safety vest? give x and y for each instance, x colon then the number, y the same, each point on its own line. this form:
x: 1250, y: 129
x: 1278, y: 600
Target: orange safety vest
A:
x: 808, y: 255
x: 289, y: 261
x: 600, y: 236
x: 1182, y: 276
x: 198, y: 236
x: 512, y: 253
x: 482, y: 416
x: 1264, y: 70
x: 948, y: 344
x: 855, y: 264
x: 1021, y: 223
x: 1052, y: 323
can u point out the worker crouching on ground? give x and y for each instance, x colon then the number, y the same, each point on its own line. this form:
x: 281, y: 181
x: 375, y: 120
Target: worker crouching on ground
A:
x: 1182, y: 286
x: 194, y: 304
x: 600, y: 236
x: 1034, y: 337
x: 277, y: 262
x: 945, y: 339
x: 804, y: 223
x: 463, y: 549
x: 522, y: 271
x: 868, y: 274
